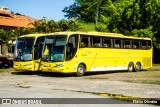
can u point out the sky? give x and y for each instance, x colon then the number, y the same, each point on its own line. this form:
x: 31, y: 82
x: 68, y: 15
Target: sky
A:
x: 51, y: 9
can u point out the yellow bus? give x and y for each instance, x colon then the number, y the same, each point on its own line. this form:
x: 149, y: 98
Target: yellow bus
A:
x: 81, y: 52
x: 28, y: 52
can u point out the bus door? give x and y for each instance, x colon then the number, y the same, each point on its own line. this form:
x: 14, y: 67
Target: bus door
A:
x: 71, y: 50
x: 38, y: 53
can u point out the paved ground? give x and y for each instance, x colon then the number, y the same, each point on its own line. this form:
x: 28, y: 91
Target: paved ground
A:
x: 40, y: 85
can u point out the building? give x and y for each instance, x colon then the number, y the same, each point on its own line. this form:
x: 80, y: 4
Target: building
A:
x: 12, y: 21
x: 4, y: 8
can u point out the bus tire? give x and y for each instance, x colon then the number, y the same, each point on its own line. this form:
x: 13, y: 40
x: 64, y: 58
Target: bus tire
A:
x: 137, y: 67
x: 130, y: 67
x: 80, y: 70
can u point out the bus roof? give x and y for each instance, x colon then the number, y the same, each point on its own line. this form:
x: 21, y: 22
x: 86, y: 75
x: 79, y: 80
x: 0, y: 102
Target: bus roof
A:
x: 32, y: 35
x: 101, y: 34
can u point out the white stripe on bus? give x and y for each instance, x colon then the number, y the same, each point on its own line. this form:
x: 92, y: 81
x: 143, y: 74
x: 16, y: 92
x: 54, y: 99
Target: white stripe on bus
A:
x: 109, y: 68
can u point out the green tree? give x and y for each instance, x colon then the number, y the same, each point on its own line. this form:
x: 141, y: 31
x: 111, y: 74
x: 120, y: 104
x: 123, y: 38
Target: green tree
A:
x: 72, y: 11
x: 132, y: 17
x: 46, y: 26
x: 63, y: 25
x: 20, y: 31
x: 86, y: 10
x: 68, y: 25
x: 4, y: 36
x: 73, y: 25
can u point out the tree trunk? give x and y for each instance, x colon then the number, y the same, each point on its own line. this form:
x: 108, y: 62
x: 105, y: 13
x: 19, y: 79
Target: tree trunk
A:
x: 97, y: 15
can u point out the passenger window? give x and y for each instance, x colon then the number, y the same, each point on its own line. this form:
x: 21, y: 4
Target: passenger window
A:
x: 127, y: 44
x: 149, y: 45
x: 143, y: 44
x: 117, y: 43
x: 72, y: 47
x: 84, y: 41
x: 135, y: 44
x: 107, y: 42
x: 38, y: 48
x: 96, y: 42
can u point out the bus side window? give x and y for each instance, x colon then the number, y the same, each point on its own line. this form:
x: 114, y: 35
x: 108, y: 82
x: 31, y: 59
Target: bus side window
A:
x: 149, y: 45
x: 144, y: 44
x: 106, y: 42
x: 127, y: 44
x: 84, y: 42
x: 72, y: 46
x: 135, y: 44
x: 96, y: 42
x: 117, y: 43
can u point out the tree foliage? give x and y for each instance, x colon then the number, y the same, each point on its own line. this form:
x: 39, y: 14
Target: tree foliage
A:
x: 11, y: 34
x: 41, y: 26
x: 87, y: 10
x: 47, y: 26
x: 130, y: 17
x: 140, y: 18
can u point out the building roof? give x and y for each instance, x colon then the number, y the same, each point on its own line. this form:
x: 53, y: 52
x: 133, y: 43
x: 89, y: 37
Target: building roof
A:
x: 12, y: 20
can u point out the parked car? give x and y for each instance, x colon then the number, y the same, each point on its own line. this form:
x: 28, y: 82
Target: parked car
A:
x: 10, y: 59
x: 4, y: 62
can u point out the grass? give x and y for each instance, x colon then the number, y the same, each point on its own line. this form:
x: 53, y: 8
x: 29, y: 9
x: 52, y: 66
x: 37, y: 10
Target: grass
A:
x: 6, y: 70
x: 87, y: 26
x: 151, y: 76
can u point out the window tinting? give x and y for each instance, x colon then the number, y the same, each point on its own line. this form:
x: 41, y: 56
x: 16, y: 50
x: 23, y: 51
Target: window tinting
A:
x: 135, y: 44
x: 117, y: 43
x: 144, y: 44
x: 149, y: 45
x: 96, y: 42
x: 84, y: 41
x: 107, y: 42
x: 72, y: 46
x: 127, y: 44
x: 38, y: 48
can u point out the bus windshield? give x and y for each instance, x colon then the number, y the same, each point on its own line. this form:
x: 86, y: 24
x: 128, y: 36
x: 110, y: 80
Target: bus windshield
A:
x: 53, y: 48
x: 23, y: 49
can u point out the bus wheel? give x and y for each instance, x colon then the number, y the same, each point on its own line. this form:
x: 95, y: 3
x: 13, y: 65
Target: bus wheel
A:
x: 130, y: 67
x: 80, y: 70
x: 137, y: 67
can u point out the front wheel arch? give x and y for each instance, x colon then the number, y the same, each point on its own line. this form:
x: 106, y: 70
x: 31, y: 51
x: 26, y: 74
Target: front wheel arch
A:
x: 130, y: 67
x: 81, y: 69
x: 138, y: 66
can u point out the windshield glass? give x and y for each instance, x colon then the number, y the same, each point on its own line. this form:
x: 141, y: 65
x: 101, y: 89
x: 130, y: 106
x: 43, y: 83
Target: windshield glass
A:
x: 23, y: 49
x: 53, y: 49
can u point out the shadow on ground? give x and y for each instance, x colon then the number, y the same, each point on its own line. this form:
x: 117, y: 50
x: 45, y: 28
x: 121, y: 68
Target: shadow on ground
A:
x: 53, y: 74
x: 39, y: 73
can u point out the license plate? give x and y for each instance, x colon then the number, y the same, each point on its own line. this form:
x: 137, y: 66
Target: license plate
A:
x: 20, y: 68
